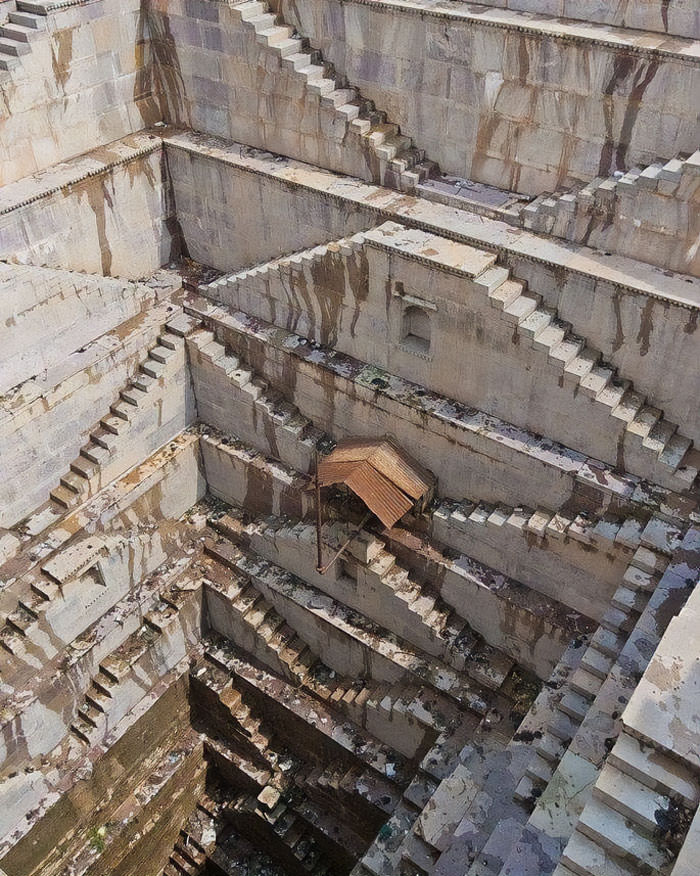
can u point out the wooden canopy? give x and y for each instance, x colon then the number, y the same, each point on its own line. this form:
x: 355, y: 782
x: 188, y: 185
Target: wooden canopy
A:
x: 387, y: 480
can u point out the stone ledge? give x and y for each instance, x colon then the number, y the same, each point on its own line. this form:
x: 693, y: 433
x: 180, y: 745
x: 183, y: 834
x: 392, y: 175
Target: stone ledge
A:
x: 459, y: 225
x: 611, y: 37
x: 69, y: 173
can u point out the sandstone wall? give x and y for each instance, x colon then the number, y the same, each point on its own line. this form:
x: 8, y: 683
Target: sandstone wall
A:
x: 85, y: 81
x: 649, y: 339
x: 505, y: 103
x: 679, y: 17
x: 43, y: 427
x: 108, y: 212
x: 223, y: 79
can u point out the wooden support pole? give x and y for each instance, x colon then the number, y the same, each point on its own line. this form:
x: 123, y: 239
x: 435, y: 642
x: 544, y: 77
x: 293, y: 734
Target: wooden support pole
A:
x: 319, y: 545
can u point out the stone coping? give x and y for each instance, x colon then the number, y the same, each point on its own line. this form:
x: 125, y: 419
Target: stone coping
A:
x: 430, y: 250
x: 68, y: 173
x: 460, y: 225
x: 547, y: 27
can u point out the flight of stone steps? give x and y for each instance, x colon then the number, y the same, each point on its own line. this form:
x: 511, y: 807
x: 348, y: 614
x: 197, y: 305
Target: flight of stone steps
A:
x: 407, y: 659
x: 603, y: 529
x: 128, y: 671
x: 223, y: 290
x: 268, y: 816
x: 399, y: 164
x: 592, y: 708
x: 571, y: 718
x: 17, y: 33
x: 552, y: 213
x: 294, y: 438
x: 261, y: 631
x: 648, y: 433
x: 46, y: 583
x: 114, y: 430
x: 349, y: 768
x: 424, y: 619
x: 480, y: 783
x: 196, y: 840
x: 636, y: 789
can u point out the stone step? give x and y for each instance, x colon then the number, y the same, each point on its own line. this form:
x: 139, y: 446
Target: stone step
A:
x: 28, y: 19
x: 584, y: 857
x: 14, y: 47
x: 630, y: 798
x: 655, y: 770
x: 613, y: 832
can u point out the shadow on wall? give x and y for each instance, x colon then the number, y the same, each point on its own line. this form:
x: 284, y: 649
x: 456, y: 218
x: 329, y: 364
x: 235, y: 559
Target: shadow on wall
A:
x: 159, y: 73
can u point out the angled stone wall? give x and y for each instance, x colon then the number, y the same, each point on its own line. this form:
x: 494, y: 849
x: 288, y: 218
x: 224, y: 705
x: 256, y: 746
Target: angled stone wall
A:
x: 83, y: 79
x: 505, y: 100
x: 107, y: 212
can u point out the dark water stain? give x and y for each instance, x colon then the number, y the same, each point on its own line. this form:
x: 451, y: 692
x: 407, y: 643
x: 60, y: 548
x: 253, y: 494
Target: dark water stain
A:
x: 358, y: 280
x: 271, y: 436
x: 302, y: 285
x: 619, y: 333
x: 178, y: 243
x: 62, y: 54
x: 646, y: 327
x: 328, y: 275
x: 613, y: 155
x: 692, y: 324
x: 664, y: 13
x: 523, y: 60
x: 99, y: 198
x: 159, y: 73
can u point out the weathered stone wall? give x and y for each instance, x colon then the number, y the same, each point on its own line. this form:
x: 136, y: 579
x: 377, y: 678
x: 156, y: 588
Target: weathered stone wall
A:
x: 646, y: 337
x: 223, y: 79
x: 108, y: 212
x: 652, y: 214
x: 504, y: 103
x: 209, y: 196
x: 43, y: 427
x: 85, y: 81
x: 679, y: 17
x: 54, y: 313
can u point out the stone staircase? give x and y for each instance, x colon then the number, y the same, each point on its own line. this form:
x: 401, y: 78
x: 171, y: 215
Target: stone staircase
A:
x: 401, y: 658
x: 47, y: 583
x: 483, y: 771
x: 653, y: 445
x: 397, y: 163
x: 602, y: 530
x: 257, y: 626
x: 382, y: 708
x: 275, y: 822
x: 412, y: 612
x: 151, y: 651
x: 567, y: 769
x: 227, y: 289
x: 17, y: 33
x: 637, y: 797
x: 552, y: 213
x: 114, y: 431
x: 350, y: 742
x: 649, y: 436
x: 196, y: 840
x: 275, y: 426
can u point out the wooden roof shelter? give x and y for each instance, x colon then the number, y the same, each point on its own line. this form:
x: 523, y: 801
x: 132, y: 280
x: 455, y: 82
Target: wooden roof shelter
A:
x: 386, y: 478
